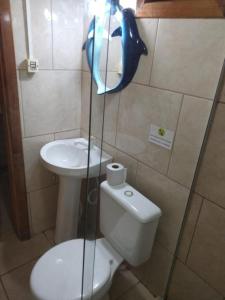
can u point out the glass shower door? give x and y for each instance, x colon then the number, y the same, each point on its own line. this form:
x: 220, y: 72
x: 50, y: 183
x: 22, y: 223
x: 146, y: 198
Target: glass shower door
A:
x: 93, y: 110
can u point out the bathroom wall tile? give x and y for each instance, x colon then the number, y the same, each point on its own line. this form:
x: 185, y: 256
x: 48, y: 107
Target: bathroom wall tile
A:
x: 191, y: 129
x: 52, y: 107
x: 186, y: 285
x: 123, y: 281
x: 85, y: 102
x: 2, y: 293
x: 67, y: 34
x: 70, y: 134
x: 43, y: 206
x: 170, y: 197
x: 40, y: 28
x: 17, y: 283
x: 147, y: 30
x: 206, y: 256
x: 42, y: 32
x: 14, y: 252
x: 111, y: 110
x: 210, y: 183
x: 155, y: 272
x: 141, y: 106
x: 189, y: 227
x: 110, y: 150
x: 189, y: 56
x: 37, y: 176
x: 139, y: 292
x: 19, y: 34
x: 106, y: 147
x: 129, y: 163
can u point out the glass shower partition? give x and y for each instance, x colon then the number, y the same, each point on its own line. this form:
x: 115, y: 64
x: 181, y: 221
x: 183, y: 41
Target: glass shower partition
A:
x: 95, y: 53
x: 119, y: 124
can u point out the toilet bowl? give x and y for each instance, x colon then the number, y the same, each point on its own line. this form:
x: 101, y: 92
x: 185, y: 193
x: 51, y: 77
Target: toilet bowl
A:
x: 128, y: 221
x: 58, y: 273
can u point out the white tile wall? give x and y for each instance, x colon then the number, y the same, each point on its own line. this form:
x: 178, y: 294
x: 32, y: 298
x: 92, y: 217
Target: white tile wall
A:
x: 67, y: 34
x: 189, y: 56
x: 51, y: 101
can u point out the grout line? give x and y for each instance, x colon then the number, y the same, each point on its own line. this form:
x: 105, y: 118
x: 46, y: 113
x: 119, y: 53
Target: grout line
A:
x: 49, y: 133
x: 22, y: 265
x: 20, y: 92
x: 211, y: 201
x: 147, y: 165
x: 45, y: 187
x: 30, y: 260
x: 180, y: 92
x: 117, y: 117
x: 167, y: 90
x: 4, y: 288
x: 194, y: 231
x: 127, y: 291
x: 52, y: 35
x: 44, y: 232
x: 154, y: 50
x: 201, y: 278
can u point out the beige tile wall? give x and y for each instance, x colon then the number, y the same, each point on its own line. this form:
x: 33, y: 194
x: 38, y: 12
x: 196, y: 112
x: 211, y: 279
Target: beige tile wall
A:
x: 50, y: 101
x: 200, y: 267
x: 174, y: 88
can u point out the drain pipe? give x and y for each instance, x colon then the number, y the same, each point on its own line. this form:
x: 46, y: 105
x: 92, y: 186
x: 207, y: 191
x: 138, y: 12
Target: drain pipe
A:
x: 32, y: 64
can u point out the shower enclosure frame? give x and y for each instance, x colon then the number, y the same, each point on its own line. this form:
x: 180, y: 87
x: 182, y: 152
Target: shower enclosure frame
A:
x: 9, y: 102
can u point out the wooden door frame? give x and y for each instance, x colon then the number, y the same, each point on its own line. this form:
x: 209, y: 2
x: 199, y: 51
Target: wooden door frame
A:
x: 180, y: 9
x: 12, y: 126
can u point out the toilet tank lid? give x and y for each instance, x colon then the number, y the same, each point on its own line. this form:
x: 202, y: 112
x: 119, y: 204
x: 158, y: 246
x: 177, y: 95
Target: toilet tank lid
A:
x: 140, y: 207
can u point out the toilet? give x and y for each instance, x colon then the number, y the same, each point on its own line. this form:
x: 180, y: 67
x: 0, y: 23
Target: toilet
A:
x: 128, y: 222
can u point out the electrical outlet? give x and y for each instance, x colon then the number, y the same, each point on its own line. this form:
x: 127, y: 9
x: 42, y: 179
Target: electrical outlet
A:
x: 32, y: 65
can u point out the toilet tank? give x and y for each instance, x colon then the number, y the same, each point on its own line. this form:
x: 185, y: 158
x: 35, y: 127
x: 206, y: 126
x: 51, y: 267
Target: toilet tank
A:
x: 128, y: 220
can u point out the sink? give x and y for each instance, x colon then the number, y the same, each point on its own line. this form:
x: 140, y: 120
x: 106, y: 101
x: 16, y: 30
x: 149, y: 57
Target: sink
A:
x: 69, y: 159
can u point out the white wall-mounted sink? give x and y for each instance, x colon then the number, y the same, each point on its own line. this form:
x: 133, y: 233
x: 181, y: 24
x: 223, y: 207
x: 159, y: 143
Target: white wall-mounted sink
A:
x: 69, y: 160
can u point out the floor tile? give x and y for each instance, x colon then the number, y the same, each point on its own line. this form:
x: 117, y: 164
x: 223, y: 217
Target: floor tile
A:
x: 50, y: 235
x: 189, y: 227
x: 17, y: 284
x: 206, y: 256
x: 5, y: 223
x: 2, y: 293
x: 122, y: 282
x: 186, y: 285
x: 14, y: 253
x: 139, y: 292
x: 155, y: 272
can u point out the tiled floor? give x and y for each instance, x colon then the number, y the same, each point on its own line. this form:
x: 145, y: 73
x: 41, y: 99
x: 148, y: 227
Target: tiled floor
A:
x: 17, y: 259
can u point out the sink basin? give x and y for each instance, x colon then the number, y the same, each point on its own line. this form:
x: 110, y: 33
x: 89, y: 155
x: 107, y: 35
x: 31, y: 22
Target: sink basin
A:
x: 69, y: 160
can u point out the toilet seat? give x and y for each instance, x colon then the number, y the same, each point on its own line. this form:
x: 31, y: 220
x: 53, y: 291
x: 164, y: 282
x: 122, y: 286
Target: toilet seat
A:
x: 58, y: 273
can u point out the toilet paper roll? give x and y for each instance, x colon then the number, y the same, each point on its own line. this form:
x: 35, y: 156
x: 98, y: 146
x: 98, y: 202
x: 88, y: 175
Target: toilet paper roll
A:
x: 116, y: 174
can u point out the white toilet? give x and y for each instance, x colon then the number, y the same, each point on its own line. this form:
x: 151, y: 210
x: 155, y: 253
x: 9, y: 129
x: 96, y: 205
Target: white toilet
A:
x: 128, y: 221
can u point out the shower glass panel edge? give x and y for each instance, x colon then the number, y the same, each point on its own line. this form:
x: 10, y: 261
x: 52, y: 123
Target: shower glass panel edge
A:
x: 91, y: 188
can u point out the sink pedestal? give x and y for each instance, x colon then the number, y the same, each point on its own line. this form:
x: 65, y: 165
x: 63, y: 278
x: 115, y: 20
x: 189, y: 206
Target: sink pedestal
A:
x: 68, y: 209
